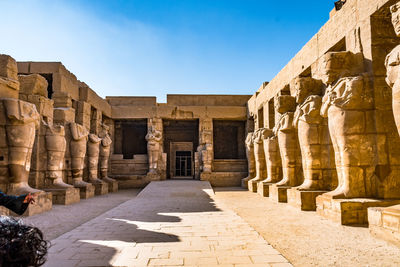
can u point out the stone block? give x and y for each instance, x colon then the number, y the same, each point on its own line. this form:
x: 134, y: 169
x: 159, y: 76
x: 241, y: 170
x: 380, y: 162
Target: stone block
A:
x: 4, y: 211
x: 263, y: 188
x: 278, y: 193
x: 63, y: 115
x: 9, y: 88
x: 112, y: 186
x: 33, y: 84
x: 43, y: 203
x: 8, y: 67
x: 65, y: 196
x: 252, y: 186
x: 101, y: 189
x: 384, y: 223
x: 349, y: 211
x: 304, y: 200
x: 86, y: 192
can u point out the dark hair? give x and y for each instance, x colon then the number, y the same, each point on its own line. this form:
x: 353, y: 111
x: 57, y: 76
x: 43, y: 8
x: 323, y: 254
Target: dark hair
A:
x: 21, y: 245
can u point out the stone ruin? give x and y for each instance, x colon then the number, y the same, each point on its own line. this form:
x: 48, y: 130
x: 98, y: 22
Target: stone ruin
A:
x: 322, y: 136
x: 336, y: 122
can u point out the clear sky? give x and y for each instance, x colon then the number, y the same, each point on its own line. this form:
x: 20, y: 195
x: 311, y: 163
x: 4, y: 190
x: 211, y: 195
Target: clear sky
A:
x: 155, y: 47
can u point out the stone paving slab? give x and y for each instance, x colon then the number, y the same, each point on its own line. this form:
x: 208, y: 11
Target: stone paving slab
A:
x: 170, y: 223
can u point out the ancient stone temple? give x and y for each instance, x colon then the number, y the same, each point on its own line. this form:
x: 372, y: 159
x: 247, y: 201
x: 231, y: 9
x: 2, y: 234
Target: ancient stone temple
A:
x: 322, y: 135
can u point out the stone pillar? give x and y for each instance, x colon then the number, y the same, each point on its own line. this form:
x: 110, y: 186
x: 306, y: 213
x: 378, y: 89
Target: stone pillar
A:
x: 93, y: 153
x: 289, y: 149
x: 156, y: 157
x: 259, y: 157
x: 205, y: 149
x: 79, y: 137
x: 272, y: 161
x: 105, y: 149
x: 250, y: 159
x: 311, y: 128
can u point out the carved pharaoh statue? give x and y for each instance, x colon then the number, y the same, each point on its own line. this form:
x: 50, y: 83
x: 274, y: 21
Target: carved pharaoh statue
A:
x: 250, y: 159
x: 259, y: 158
x: 346, y: 102
x: 309, y: 124
x: 153, y: 139
x: 272, y: 157
x: 55, y: 146
x: 392, y: 64
x: 288, y: 142
x: 105, y: 147
x: 93, y: 153
x: 78, y: 142
x: 22, y: 119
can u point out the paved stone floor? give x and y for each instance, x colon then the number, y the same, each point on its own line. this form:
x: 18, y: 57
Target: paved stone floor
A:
x: 171, y: 223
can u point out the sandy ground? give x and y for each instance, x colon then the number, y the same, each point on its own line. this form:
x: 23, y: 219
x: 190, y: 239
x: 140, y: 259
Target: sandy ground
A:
x: 62, y: 219
x: 305, y: 238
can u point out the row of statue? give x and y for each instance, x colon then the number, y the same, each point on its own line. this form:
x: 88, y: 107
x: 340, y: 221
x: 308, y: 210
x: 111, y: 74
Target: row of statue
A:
x: 317, y: 133
x: 22, y: 120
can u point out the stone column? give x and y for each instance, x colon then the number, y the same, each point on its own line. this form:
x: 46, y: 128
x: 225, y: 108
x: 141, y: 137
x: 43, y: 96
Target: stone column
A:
x: 250, y: 159
x: 205, y: 149
x: 259, y: 157
x: 154, y: 149
x: 79, y: 137
x: 105, y: 149
x: 93, y: 153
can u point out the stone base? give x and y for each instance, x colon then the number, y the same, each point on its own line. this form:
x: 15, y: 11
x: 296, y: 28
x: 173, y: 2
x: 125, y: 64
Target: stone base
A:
x: 244, y: 182
x: 263, y: 188
x: 100, y: 189
x: 252, y: 186
x: 65, y: 196
x: 112, y: 186
x: 349, y: 211
x: 42, y: 204
x: 86, y: 192
x: 384, y: 223
x: 304, y: 200
x: 278, y: 193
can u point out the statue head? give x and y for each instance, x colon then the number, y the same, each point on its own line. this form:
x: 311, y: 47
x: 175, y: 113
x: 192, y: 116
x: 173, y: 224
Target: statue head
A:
x: 285, y: 103
x: 395, y: 10
x: 335, y: 65
x: 304, y: 87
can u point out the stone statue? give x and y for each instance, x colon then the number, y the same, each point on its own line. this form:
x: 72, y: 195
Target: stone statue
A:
x: 250, y: 159
x: 288, y: 142
x: 105, y: 147
x: 153, y: 139
x: 22, y: 120
x: 309, y: 123
x: 55, y: 146
x: 272, y: 157
x: 392, y: 64
x: 346, y: 102
x: 78, y: 142
x: 259, y: 157
x: 93, y: 153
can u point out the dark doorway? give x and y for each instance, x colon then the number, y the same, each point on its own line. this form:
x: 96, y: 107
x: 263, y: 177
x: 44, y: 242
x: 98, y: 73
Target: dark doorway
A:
x: 178, y: 134
x: 130, y: 137
x: 229, y: 139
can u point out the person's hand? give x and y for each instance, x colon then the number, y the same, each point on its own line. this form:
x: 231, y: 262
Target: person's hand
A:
x: 30, y: 198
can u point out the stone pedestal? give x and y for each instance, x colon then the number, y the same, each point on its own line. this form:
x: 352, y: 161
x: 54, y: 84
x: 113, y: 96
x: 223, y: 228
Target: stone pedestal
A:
x: 101, y: 189
x: 263, y: 188
x: 65, y: 196
x: 252, y: 185
x: 304, y: 200
x: 384, y: 223
x: 349, y: 211
x: 86, y: 192
x: 112, y: 186
x: 43, y: 203
x: 278, y: 193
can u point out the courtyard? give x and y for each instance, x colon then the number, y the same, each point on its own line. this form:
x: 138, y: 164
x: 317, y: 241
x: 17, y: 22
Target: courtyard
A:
x: 189, y: 223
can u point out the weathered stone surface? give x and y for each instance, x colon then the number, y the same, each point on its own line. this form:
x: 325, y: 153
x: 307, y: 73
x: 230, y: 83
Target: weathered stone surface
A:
x: 250, y: 159
x: 259, y: 157
x: 33, y: 84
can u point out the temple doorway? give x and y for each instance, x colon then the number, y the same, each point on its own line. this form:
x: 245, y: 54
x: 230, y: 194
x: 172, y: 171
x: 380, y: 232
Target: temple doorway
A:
x: 181, y: 139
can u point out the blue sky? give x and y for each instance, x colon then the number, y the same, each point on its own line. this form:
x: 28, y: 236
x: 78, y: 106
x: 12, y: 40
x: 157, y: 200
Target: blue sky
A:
x: 155, y: 47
